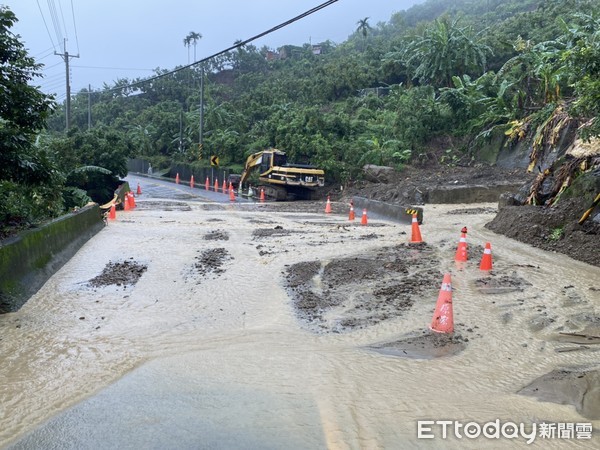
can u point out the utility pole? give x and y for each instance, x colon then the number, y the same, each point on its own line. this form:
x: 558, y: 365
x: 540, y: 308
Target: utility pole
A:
x: 66, y: 57
x: 200, y: 137
x: 89, y: 106
x: 181, y: 131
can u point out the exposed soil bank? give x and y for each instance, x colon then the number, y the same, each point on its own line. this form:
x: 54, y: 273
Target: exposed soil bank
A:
x: 552, y: 228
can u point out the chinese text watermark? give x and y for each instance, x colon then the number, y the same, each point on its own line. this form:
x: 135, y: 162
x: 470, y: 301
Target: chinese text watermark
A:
x: 442, y: 429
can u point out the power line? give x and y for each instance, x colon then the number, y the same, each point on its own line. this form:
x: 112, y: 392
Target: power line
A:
x: 51, y: 86
x: 51, y: 81
x: 64, y: 23
x: 55, y: 21
x: 44, y: 57
x: 53, y: 65
x: 43, y: 51
x: 75, y: 26
x: 53, y: 78
x: 46, y: 25
x: 233, y: 47
x: 112, y: 68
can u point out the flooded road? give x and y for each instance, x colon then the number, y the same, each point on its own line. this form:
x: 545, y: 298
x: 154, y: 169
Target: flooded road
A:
x: 199, y: 355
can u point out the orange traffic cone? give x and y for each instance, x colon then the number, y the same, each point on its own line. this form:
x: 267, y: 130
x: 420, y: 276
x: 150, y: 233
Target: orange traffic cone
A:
x: 461, y: 252
x: 224, y: 186
x: 486, y: 259
x: 139, y: 190
x: 126, y: 202
x: 112, y: 214
x: 131, y: 200
x: 328, y: 206
x: 177, y: 178
x: 216, y: 185
x: 416, y: 231
x: 443, y: 317
x: 192, y: 182
x: 262, y: 195
x: 364, y: 219
x: 351, y: 216
x: 231, y: 194
x: 207, y: 184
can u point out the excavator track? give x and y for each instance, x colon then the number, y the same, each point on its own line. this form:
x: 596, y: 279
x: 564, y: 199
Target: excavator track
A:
x: 276, y: 193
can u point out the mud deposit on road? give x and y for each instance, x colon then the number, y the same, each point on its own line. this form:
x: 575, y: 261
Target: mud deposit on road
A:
x: 121, y: 273
x: 579, y: 387
x: 208, y: 263
x: 272, y: 232
x: 427, y: 345
x: 501, y: 284
x: 349, y: 293
x: 162, y: 205
x: 216, y: 235
x: 212, y: 207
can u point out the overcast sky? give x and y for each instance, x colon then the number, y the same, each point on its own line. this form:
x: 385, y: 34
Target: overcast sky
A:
x: 128, y: 38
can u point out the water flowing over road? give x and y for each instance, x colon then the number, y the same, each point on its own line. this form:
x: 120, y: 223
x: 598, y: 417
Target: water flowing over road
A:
x: 207, y: 349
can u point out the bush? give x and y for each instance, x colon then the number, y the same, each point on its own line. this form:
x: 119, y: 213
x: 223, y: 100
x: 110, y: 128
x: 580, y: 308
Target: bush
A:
x: 16, y: 209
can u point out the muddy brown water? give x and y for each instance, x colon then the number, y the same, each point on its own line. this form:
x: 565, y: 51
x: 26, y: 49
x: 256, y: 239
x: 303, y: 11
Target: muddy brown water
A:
x: 233, y: 359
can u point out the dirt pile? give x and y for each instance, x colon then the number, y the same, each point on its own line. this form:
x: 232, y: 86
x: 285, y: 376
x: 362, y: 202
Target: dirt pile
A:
x: 276, y: 231
x: 427, y: 345
x: 209, y: 262
x: 120, y: 273
x: 216, y: 235
x: 332, y: 297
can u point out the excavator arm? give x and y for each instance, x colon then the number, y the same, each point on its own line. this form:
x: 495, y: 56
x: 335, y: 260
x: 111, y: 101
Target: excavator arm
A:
x: 252, y: 162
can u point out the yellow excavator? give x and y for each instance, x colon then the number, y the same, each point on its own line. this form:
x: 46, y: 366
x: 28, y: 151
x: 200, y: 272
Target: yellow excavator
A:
x: 280, y: 179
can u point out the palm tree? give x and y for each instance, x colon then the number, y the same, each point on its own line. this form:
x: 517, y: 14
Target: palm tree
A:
x: 192, y: 39
x: 363, y: 28
x: 187, y: 43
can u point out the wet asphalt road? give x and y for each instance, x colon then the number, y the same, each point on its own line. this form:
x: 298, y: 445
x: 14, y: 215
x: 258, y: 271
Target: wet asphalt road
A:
x: 153, y: 187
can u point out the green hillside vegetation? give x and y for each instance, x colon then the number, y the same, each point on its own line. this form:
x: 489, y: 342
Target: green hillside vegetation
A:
x: 431, y: 85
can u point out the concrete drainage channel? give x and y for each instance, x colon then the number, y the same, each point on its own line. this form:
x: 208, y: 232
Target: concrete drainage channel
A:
x: 27, y: 261
x: 469, y: 193
x: 441, y: 195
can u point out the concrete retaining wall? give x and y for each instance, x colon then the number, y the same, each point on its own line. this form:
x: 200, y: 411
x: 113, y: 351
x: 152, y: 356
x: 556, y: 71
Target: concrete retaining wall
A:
x: 30, y: 259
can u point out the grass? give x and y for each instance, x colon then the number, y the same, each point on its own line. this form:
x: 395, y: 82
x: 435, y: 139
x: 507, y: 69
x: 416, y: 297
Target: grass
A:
x: 556, y: 233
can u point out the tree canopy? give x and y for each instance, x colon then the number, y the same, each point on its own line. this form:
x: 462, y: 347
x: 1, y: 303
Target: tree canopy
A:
x: 455, y: 71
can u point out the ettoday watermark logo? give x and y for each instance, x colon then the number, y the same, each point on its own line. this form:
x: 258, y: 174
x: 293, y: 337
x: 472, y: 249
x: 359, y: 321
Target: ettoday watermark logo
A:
x: 443, y: 429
